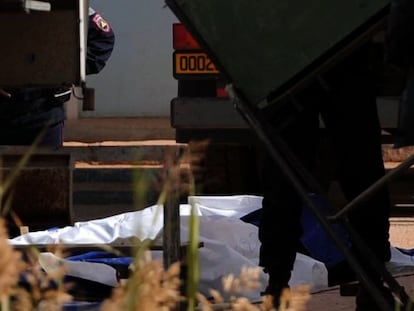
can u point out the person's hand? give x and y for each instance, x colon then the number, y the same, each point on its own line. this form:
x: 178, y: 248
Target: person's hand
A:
x: 3, y: 93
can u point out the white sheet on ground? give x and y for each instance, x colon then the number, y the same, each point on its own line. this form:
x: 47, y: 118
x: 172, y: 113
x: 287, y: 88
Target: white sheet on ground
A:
x: 121, y: 229
x: 229, y: 243
x: 91, y: 271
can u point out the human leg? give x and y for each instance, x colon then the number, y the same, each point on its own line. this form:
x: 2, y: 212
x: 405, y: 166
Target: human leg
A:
x: 405, y: 129
x: 355, y: 136
x: 49, y: 136
x: 43, y: 125
x: 53, y: 135
x: 280, y: 225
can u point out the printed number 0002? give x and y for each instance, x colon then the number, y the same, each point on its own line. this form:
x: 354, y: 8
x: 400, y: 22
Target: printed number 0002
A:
x: 196, y: 63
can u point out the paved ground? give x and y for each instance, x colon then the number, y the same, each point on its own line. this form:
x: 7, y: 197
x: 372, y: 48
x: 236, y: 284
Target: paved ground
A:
x: 401, y: 235
x: 331, y: 300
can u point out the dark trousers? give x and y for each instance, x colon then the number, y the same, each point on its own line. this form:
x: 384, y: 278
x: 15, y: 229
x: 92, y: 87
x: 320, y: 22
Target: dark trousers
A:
x: 23, y: 123
x: 405, y: 132
x: 49, y: 135
x: 348, y: 108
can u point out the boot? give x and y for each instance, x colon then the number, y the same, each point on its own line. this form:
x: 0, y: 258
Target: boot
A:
x: 278, y: 282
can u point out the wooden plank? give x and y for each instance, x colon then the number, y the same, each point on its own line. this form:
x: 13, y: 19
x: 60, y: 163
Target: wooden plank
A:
x: 40, y: 193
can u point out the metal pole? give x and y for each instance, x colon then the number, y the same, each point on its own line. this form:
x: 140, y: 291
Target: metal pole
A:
x: 374, y: 187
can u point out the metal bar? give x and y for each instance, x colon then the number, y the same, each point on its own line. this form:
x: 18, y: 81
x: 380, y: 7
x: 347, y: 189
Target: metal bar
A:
x: 83, y: 31
x: 394, y: 286
x: 406, y: 164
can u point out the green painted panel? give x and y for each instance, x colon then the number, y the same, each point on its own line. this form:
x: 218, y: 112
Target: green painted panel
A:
x: 262, y: 44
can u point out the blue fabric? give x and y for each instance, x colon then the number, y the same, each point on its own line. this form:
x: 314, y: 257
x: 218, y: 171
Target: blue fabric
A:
x: 316, y: 240
x: 253, y: 217
x: 81, y: 306
x: 409, y: 252
x: 102, y: 257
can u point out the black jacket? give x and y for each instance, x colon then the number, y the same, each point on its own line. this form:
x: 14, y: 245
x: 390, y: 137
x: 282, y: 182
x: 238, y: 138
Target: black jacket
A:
x: 399, y: 46
x: 101, y: 40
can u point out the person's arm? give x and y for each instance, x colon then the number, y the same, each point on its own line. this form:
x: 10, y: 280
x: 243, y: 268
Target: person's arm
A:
x: 101, y: 40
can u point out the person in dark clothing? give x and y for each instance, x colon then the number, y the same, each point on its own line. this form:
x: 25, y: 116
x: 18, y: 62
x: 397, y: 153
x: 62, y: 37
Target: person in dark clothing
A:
x: 346, y: 101
x: 28, y: 113
x: 399, y: 51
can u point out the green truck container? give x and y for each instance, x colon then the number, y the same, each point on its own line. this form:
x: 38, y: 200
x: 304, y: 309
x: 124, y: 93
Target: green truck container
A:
x: 266, y: 48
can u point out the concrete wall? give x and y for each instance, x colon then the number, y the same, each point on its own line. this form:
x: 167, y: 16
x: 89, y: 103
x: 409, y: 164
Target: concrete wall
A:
x: 137, y: 81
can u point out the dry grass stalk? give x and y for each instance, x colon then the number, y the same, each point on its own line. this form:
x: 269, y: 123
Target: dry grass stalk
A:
x: 115, y: 302
x: 11, y: 264
x: 12, y: 267
x: 247, y: 280
x: 150, y: 287
x: 22, y: 300
x: 192, y: 166
x: 53, y: 300
x: 47, y: 292
x: 294, y: 299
